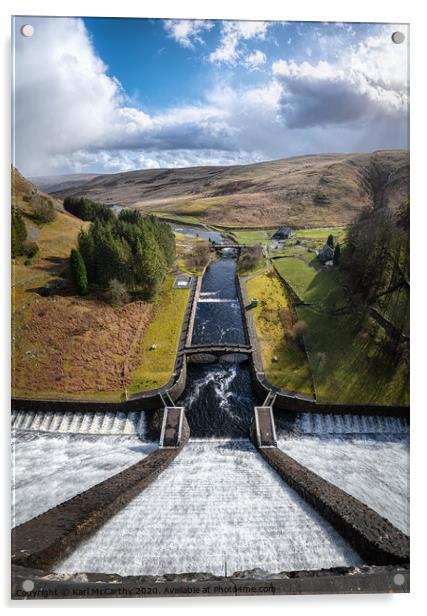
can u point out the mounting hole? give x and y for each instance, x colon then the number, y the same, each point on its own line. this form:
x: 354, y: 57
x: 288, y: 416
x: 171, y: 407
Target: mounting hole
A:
x: 399, y: 579
x: 398, y: 37
x: 27, y: 30
x: 28, y: 585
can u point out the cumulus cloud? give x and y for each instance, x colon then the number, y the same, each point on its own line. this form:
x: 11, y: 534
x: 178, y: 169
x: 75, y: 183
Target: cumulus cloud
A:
x: 368, y: 80
x: 65, y: 103
x: 187, y: 32
x: 232, y: 33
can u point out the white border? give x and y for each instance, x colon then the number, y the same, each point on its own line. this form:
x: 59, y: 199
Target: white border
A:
x: 327, y: 10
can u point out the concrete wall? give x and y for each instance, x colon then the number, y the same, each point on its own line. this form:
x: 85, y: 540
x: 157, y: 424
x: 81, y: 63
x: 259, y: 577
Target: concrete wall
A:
x: 340, y: 580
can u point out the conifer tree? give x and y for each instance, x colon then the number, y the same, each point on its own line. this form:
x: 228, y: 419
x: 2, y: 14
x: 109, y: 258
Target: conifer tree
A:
x: 78, y: 271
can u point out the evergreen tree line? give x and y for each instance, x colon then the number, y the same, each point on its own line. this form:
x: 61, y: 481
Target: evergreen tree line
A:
x: 134, y: 250
x: 85, y: 209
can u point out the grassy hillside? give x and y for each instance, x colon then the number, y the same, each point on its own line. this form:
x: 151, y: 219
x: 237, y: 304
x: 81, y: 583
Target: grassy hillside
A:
x: 349, y: 361
x: 70, y: 347
x: 306, y: 191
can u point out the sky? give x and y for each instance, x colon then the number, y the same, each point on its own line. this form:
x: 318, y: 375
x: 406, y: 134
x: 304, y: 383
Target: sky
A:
x: 105, y: 95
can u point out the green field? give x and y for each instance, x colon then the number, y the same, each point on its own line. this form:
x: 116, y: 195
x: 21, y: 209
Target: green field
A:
x: 273, y: 323
x: 157, y: 365
x: 321, y: 233
x: 310, y: 284
x: 252, y: 238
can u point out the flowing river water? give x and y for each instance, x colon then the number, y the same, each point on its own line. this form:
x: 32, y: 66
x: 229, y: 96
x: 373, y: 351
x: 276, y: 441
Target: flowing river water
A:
x: 218, y: 505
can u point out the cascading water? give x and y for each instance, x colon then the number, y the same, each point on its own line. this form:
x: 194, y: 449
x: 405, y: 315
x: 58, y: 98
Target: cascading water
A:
x: 81, y: 422
x: 331, y: 424
x: 218, y: 505
x: 49, y: 468
x: 218, y: 400
x: 374, y: 469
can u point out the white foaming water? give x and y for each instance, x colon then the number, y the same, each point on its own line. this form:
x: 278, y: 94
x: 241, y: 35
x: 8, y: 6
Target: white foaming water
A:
x: 219, y: 502
x: 99, y: 422
x: 317, y: 423
x: 221, y: 378
x: 51, y: 468
x: 216, y: 300
x: 374, y: 471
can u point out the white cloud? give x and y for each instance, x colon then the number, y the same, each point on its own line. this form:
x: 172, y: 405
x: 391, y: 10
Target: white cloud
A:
x: 256, y: 59
x: 366, y: 81
x: 232, y: 33
x: 187, y: 32
x: 71, y: 116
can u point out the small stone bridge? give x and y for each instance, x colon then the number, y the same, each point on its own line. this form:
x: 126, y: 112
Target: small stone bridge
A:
x: 217, y: 349
x: 235, y: 246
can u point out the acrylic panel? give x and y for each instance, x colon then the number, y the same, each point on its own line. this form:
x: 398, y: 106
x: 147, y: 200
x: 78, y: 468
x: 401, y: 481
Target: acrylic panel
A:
x: 210, y: 284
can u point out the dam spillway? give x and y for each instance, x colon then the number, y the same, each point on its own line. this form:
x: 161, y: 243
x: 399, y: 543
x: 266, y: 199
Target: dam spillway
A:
x: 50, y: 468
x: 219, y: 504
x: 373, y: 469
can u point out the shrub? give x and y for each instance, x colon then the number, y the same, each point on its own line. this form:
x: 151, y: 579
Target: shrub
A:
x: 116, y: 293
x: 44, y: 211
x: 19, y: 233
x: 28, y: 262
x: 250, y: 258
x: 199, y: 256
x: 78, y: 272
x: 30, y: 249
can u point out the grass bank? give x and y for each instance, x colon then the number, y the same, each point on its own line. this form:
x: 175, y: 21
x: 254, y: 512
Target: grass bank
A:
x: 156, y: 366
x: 273, y: 322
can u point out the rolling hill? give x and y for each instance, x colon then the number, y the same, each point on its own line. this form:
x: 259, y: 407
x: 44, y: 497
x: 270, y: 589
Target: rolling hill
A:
x: 304, y: 191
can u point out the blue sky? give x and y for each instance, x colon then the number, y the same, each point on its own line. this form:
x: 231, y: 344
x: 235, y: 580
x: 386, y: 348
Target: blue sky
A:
x: 108, y: 95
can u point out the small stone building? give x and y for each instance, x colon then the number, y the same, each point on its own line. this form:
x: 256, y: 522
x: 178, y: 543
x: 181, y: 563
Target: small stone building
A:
x: 326, y: 254
x: 282, y: 233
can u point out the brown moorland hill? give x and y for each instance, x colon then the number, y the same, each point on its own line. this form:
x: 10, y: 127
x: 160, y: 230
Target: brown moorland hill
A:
x: 304, y: 191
